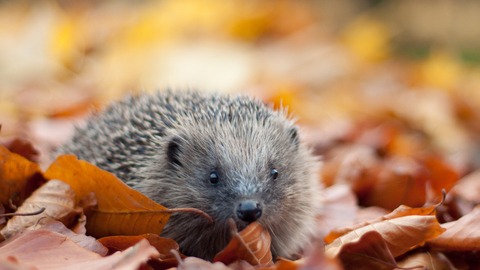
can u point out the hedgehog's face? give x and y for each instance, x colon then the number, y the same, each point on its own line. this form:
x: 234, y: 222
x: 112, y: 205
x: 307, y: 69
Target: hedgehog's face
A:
x: 250, y: 172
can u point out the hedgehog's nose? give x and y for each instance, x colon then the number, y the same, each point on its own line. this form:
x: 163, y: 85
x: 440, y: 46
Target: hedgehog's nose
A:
x: 249, y: 211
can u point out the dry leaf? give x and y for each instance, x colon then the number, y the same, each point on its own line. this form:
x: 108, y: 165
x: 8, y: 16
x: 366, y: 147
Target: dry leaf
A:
x: 401, y: 211
x: 460, y: 235
x: 58, y: 200
x: 468, y: 187
x: 120, y: 243
x: 252, y: 245
x: 18, y: 178
x: 339, y: 208
x: 87, y: 242
x: 428, y: 260
x: 2, y: 219
x: 11, y: 263
x: 163, y: 245
x: 401, y: 234
x: 370, y: 251
x: 120, y: 211
x: 23, y: 148
x: 316, y: 259
x: 400, y: 181
x: 49, y: 250
x: 191, y: 263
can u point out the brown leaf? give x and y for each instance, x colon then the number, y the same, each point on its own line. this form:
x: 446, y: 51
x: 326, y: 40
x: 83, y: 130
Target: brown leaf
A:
x: 45, y: 249
x: 163, y: 245
x: 87, y: 242
x: 120, y: 210
x: 468, y: 187
x: 18, y: 178
x: 460, y: 235
x: 2, y: 219
x: 401, y: 211
x: 58, y: 200
x: 252, y: 245
x: 401, y: 234
x: 370, y: 251
x: 339, y: 207
x: 430, y: 260
x: 400, y: 181
x: 316, y: 259
x: 23, y: 148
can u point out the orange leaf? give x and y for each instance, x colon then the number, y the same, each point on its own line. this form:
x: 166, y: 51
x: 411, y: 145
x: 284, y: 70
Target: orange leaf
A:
x: 252, y: 245
x: 401, y: 234
x: 401, y: 211
x: 120, y: 210
x: 461, y: 235
x: 18, y: 177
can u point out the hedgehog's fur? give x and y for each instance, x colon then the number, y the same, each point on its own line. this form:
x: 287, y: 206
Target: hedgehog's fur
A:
x: 166, y: 145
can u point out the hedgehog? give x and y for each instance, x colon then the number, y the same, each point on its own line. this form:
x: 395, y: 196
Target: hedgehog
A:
x: 232, y: 157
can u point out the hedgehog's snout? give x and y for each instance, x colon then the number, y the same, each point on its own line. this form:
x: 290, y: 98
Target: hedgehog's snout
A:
x: 249, y: 210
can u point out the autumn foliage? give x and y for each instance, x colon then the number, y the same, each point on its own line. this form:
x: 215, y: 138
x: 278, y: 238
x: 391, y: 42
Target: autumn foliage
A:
x: 392, y: 115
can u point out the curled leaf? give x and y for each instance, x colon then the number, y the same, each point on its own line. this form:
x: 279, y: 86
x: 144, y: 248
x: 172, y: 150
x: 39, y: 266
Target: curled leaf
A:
x: 401, y: 234
x: 252, y: 245
x: 460, y: 235
x: 58, y: 200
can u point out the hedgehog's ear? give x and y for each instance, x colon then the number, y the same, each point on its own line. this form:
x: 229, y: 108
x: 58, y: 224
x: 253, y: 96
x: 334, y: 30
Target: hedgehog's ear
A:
x: 294, y: 137
x: 173, y: 150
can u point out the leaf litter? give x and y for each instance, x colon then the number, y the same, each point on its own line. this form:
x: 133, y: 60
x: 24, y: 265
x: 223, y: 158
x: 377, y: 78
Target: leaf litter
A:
x: 400, y: 131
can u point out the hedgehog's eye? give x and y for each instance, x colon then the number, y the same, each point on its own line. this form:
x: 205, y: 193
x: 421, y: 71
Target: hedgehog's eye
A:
x: 274, y: 173
x: 213, y: 178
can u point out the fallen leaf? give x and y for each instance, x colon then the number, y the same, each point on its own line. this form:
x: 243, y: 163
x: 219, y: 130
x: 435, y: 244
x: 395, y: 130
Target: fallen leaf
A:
x: 468, y: 187
x: 19, y: 177
x: 87, y: 242
x: 191, y: 263
x: 120, y: 210
x: 164, y: 246
x: 23, y: 148
x: 370, y: 251
x: 460, y: 235
x: 400, y: 181
x: 45, y: 249
x: 252, y: 245
x: 401, y: 234
x: 441, y: 175
x: 315, y: 259
x: 428, y: 260
x: 401, y: 211
x: 11, y: 263
x: 2, y: 219
x: 58, y: 200
x: 120, y: 243
x: 339, y: 209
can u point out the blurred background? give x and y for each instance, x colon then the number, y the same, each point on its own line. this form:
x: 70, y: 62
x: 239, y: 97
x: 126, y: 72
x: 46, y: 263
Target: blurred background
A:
x: 368, y: 80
